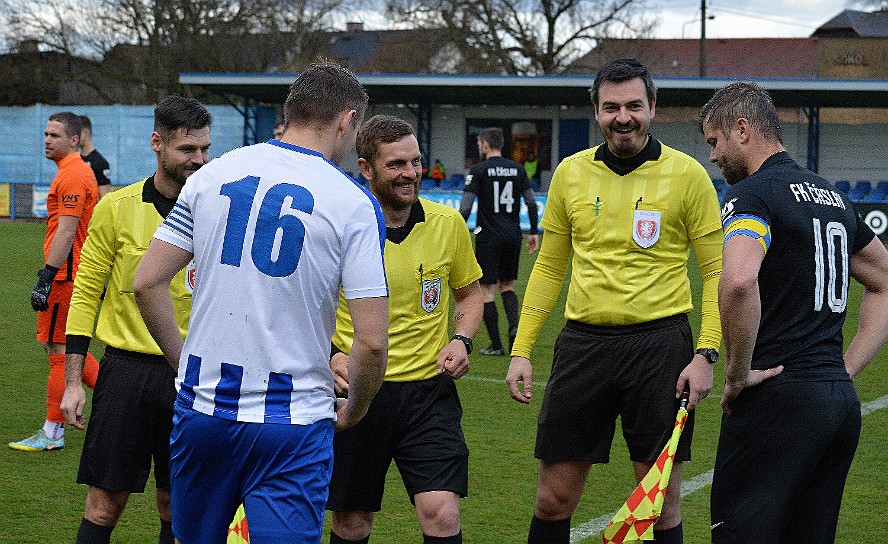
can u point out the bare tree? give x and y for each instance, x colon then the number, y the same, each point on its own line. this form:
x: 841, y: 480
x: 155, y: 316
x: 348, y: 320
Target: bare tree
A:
x: 62, y: 41
x: 144, y: 45
x: 524, y: 36
x: 62, y: 26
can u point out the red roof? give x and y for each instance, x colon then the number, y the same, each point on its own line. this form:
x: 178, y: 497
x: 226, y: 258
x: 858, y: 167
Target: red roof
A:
x: 734, y: 58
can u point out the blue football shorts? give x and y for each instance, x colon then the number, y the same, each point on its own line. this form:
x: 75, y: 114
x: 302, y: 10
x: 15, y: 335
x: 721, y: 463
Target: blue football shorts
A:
x: 280, y: 472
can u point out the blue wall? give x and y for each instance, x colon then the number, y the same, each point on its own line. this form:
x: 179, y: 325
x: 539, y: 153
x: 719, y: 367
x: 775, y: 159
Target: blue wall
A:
x: 120, y: 133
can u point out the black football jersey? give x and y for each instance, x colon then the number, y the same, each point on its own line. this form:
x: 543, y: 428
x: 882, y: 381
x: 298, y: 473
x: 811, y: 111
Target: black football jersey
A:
x: 499, y: 184
x: 810, y: 230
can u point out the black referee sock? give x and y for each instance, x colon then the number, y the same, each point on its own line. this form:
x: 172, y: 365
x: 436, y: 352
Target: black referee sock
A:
x: 510, y: 304
x: 455, y: 539
x: 674, y: 535
x: 336, y: 539
x: 90, y: 533
x: 491, y: 321
x: 544, y: 531
x: 166, y: 533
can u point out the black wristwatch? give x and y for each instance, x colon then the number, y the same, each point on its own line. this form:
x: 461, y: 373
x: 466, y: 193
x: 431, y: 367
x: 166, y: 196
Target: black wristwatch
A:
x: 465, y: 340
x: 709, y: 354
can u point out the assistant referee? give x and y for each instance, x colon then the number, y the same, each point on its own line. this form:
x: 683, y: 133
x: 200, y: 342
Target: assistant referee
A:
x: 629, y: 211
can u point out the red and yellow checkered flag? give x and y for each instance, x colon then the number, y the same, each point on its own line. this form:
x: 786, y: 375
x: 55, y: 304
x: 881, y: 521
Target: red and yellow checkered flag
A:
x: 635, y: 519
x: 237, y: 531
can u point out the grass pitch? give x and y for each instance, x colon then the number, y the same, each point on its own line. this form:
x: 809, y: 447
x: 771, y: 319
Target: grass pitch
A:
x: 40, y: 502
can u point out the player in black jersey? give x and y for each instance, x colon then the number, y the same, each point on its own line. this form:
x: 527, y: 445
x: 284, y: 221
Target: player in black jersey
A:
x: 93, y: 158
x: 791, y: 414
x: 499, y: 184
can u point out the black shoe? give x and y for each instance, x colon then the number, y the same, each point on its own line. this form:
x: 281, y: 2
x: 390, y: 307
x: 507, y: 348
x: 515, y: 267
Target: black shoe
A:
x: 492, y: 351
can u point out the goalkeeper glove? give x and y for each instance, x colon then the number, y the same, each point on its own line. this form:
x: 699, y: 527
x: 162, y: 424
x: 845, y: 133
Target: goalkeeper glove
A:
x: 40, y: 294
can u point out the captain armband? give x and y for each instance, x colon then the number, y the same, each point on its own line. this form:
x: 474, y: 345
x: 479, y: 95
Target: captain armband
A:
x: 749, y: 225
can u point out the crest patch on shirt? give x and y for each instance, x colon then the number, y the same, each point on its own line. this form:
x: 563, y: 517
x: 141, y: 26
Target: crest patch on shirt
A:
x: 190, y: 276
x: 646, y: 228
x: 431, y: 294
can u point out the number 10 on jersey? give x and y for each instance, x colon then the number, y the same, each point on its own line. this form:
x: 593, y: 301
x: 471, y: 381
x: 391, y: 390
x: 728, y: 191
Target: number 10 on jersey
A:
x: 830, y: 282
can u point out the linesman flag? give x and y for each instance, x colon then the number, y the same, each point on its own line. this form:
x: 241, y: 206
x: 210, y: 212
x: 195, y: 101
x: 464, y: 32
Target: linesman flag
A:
x: 237, y: 531
x: 635, y: 519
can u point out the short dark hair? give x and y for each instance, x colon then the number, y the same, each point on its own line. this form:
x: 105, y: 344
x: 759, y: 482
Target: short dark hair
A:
x: 321, y: 93
x: 71, y: 120
x: 494, y: 137
x: 175, y: 112
x: 85, y: 122
x: 620, y: 70
x: 744, y: 99
x: 379, y: 129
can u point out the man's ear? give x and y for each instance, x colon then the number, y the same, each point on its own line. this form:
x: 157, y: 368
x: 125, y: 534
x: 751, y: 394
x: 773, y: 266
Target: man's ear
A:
x: 743, y: 129
x: 364, y: 168
x: 156, y: 142
x: 346, y: 120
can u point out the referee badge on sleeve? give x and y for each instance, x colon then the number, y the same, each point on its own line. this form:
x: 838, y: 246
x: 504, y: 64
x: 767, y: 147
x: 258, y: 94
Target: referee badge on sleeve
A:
x: 646, y: 227
x: 431, y: 294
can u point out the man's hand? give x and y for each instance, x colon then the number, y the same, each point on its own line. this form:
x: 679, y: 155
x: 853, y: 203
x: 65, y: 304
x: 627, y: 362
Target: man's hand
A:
x: 532, y: 243
x: 520, y: 371
x: 73, y: 402
x: 74, y: 399
x: 754, y: 377
x: 40, y: 294
x: 344, y: 419
x: 339, y: 366
x: 697, y: 378
x: 453, y: 360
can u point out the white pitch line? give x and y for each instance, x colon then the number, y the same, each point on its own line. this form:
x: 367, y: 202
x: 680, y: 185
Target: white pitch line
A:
x: 873, y: 405
x: 595, y: 526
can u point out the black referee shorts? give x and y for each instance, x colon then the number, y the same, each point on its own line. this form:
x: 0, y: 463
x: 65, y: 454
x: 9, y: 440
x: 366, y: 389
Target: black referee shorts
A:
x: 130, y: 423
x: 601, y: 372
x: 415, y: 423
x: 783, y: 457
x: 498, y: 258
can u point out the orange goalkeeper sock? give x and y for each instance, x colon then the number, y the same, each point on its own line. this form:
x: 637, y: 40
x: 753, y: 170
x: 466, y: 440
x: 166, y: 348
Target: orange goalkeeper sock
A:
x: 90, y: 371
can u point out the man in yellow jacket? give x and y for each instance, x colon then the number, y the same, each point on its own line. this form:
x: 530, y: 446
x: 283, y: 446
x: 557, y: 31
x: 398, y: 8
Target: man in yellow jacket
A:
x: 132, y: 411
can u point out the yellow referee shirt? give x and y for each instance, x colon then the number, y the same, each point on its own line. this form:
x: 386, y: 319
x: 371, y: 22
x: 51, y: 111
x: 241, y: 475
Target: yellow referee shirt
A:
x: 434, y: 258
x: 630, y: 237
x: 122, y: 226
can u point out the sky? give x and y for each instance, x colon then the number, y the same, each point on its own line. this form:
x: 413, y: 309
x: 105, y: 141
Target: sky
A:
x: 746, y: 18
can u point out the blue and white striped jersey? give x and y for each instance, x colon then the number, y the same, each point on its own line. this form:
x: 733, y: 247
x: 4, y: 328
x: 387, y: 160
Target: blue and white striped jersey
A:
x: 275, y: 231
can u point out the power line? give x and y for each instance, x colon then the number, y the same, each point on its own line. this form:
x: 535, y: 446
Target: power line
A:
x: 771, y: 17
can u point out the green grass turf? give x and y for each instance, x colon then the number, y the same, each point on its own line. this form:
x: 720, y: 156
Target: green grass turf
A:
x: 40, y: 501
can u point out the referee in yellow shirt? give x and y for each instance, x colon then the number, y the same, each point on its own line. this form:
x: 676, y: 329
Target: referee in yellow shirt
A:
x: 628, y: 211
x: 415, y: 417
x: 132, y: 413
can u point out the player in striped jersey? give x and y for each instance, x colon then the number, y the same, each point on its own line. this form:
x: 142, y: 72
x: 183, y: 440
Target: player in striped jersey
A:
x: 275, y: 230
